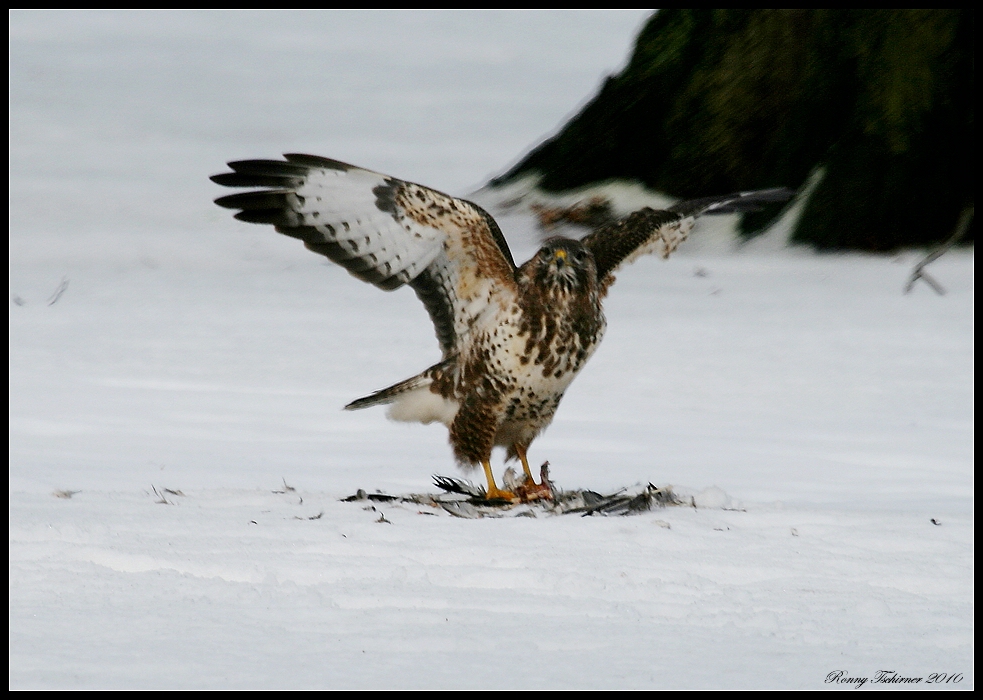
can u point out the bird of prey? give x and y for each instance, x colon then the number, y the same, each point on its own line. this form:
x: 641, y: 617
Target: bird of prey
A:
x: 512, y: 338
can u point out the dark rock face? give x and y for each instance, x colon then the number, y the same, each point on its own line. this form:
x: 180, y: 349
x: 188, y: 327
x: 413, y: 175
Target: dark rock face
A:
x: 726, y: 100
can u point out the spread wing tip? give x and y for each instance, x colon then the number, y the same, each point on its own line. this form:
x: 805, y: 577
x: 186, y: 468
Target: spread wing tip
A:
x: 736, y: 203
x: 383, y: 230
x: 279, y: 174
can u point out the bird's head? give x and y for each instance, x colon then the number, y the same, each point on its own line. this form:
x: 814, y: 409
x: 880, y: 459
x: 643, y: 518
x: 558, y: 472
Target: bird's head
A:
x: 565, y: 264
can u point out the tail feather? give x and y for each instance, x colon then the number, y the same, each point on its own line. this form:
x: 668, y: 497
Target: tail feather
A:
x: 389, y: 394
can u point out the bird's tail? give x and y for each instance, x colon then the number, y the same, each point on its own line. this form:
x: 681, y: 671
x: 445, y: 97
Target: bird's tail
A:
x: 390, y: 394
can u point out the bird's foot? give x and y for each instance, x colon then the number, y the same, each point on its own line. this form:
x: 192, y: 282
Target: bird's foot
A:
x: 525, y: 487
x: 494, y: 493
x: 497, y: 494
x: 531, y: 491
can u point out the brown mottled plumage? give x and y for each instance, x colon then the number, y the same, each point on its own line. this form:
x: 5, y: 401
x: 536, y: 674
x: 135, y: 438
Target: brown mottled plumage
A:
x: 512, y: 339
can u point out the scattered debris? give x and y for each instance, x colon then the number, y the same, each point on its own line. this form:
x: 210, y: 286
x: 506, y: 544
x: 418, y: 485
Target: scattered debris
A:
x: 58, y: 292
x: 162, y: 499
x: 361, y: 495
x: 463, y: 499
x: 311, y: 517
x: 287, y: 488
x: 626, y: 502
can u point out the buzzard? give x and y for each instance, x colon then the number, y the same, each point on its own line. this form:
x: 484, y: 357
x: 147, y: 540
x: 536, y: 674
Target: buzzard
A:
x: 512, y: 338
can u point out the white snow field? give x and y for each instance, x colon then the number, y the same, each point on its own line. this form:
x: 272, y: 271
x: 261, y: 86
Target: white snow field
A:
x: 178, y: 454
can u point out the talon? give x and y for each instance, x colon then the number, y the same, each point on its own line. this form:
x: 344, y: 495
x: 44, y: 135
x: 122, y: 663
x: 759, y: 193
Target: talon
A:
x: 529, y: 490
x: 498, y: 494
x: 494, y: 493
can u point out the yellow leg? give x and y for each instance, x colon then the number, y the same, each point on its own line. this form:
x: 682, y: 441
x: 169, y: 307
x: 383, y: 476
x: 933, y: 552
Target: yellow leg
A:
x: 521, y: 451
x: 530, y: 490
x: 493, y: 490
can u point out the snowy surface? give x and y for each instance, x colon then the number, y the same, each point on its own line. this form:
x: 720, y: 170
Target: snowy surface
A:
x: 173, y: 371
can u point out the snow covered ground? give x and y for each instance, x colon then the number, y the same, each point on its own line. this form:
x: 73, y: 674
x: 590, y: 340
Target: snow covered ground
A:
x: 178, y: 453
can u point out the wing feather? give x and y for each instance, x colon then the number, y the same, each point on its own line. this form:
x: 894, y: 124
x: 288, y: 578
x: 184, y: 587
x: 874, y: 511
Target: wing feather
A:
x: 384, y: 231
x: 641, y: 232
x: 661, y: 231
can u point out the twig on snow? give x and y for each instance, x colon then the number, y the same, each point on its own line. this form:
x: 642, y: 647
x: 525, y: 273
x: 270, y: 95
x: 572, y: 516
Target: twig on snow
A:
x: 919, y: 271
x: 58, y: 292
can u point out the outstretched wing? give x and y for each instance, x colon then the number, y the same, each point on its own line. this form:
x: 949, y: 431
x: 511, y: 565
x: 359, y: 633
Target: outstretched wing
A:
x: 382, y: 230
x: 661, y: 231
